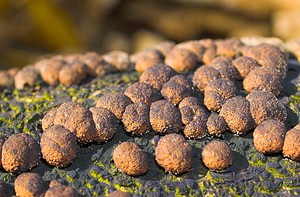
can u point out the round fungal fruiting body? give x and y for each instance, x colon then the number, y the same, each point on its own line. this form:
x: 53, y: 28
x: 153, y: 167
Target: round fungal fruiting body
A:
x: 130, y: 159
x: 174, y: 154
x: 229, y: 47
x: 58, y: 146
x: 29, y: 184
x: 244, y: 65
x: 119, y: 59
x: 263, y: 78
x: 268, y: 55
x: 236, y: 112
x: 291, y: 145
x: 136, y: 119
x: 48, y: 119
x: 217, y: 155
x: 268, y: 137
x: 196, y: 129
x: 58, y: 189
x: 217, y: 92
x: 165, y: 117
x: 106, y: 124
x: 142, y: 92
x: 181, y: 60
x: 72, y: 74
x: 76, y: 119
x: 194, y: 46
x: 203, y: 75
x: 265, y: 106
x: 225, y: 67
x: 157, y: 75
x: 20, y: 153
x: 176, y: 89
x: 26, y: 76
x: 114, y: 102
x: 188, y: 101
x: 50, y: 70
x: 216, y: 124
x: 146, y: 59
x: 191, y: 112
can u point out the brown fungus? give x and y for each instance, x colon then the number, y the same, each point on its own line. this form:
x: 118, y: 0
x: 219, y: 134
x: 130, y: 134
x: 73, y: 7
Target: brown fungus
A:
x: 176, y: 89
x: 114, y: 102
x: 29, y: 184
x: 244, y: 65
x: 174, y: 154
x: 130, y: 159
x: 165, y: 117
x: 136, y: 119
x: 157, y: 75
x: 265, y: 106
x: 268, y: 136
x: 263, y: 78
x: 106, y: 124
x: 217, y: 155
x: 181, y: 60
x: 216, y: 124
x: 204, y: 75
x: 58, y: 146
x: 20, y: 153
x: 236, y: 112
x: 217, y: 92
x: 225, y: 67
x: 146, y: 59
x: 142, y: 92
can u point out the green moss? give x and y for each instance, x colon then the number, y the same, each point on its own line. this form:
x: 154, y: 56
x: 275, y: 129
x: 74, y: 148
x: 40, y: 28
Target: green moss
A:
x: 99, y: 177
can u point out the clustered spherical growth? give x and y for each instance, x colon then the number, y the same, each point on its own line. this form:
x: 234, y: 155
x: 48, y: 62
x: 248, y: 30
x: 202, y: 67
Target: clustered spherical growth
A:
x: 268, y: 136
x: 58, y: 146
x: 130, y: 159
x: 174, y: 154
x: 217, y: 155
x: 164, y: 102
x: 20, y: 153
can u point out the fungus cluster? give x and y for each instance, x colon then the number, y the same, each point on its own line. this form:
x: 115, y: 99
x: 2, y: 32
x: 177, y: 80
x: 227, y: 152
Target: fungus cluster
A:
x: 163, y: 101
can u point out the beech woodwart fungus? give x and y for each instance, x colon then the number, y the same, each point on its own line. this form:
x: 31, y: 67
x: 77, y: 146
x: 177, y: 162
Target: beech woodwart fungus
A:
x: 203, y: 75
x: 164, y: 47
x: 114, y: 102
x: 96, y: 65
x: 106, y: 124
x: 142, y: 92
x: 216, y: 124
x: 268, y: 55
x: 119, y: 59
x: 263, y: 78
x: 20, y: 153
x: 50, y: 70
x: 268, y: 136
x: 244, y: 65
x: 157, y: 75
x: 61, y: 190
x: 76, y: 119
x: 291, y: 145
x: 196, y: 129
x: 181, y: 60
x: 174, y: 154
x: 217, y: 155
x: 120, y: 194
x: 6, y: 79
x: 217, y: 92
x: 188, y: 101
x: 130, y: 159
x: 72, y: 74
x: 176, y: 89
x: 165, y: 117
x: 229, y: 47
x: 29, y: 184
x: 194, y: 46
x: 146, y: 59
x: 58, y: 146
x: 26, y: 76
x: 191, y: 112
x: 48, y: 119
x: 209, y: 54
x: 265, y: 106
x: 225, y: 67
x: 136, y: 119
x: 236, y: 112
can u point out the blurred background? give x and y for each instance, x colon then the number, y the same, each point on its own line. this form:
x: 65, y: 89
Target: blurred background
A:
x: 33, y: 28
